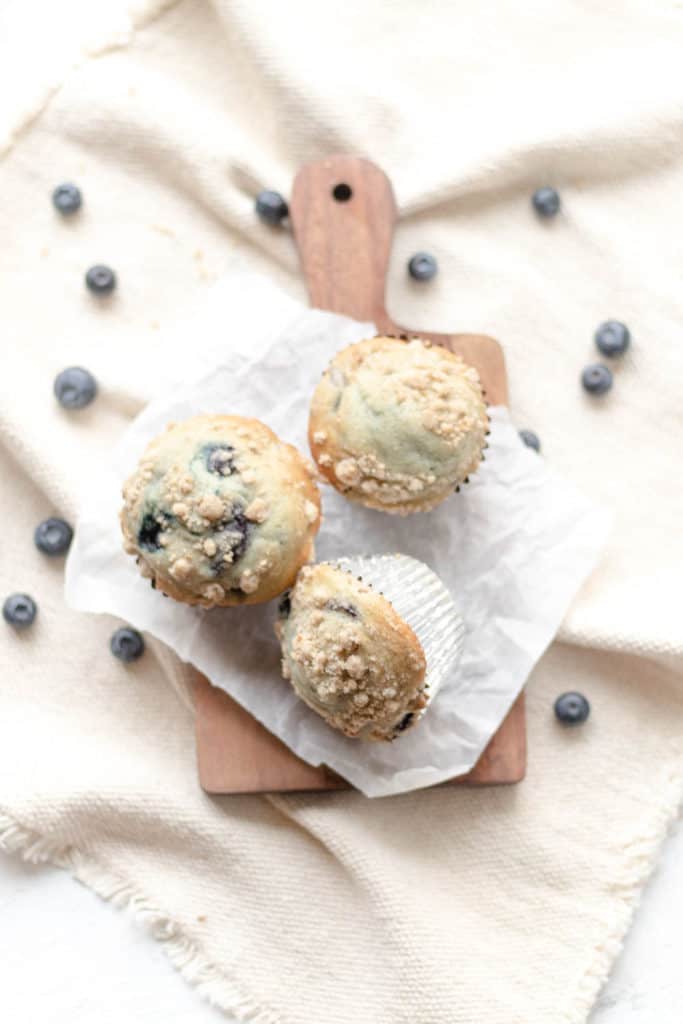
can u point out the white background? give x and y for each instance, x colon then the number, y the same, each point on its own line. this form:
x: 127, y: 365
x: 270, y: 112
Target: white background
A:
x: 96, y: 964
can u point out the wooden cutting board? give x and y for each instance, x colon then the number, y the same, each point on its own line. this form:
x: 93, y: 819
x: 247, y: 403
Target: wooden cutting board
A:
x: 343, y: 214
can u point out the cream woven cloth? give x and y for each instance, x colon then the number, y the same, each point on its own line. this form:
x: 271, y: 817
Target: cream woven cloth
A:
x: 446, y: 906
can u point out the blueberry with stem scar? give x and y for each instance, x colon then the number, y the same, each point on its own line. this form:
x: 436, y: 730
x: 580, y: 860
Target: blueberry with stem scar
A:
x: 100, y: 279
x: 597, y: 379
x: 67, y: 199
x: 75, y: 387
x: 53, y: 536
x: 422, y: 266
x: 127, y: 644
x: 612, y: 338
x: 572, y: 708
x: 19, y: 610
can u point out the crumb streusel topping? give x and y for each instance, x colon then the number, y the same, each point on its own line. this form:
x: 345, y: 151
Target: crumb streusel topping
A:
x: 349, y: 655
x: 219, y: 511
x: 396, y: 424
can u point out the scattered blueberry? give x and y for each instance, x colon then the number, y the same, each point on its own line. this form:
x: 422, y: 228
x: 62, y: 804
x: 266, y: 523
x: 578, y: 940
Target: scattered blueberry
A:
x: 67, y: 198
x: 597, y: 379
x: 612, y: 338
x: 75, y: 387
x: 19, y: 610
x: 572, y: 708
x: 271, y: 207
x: 422, y: 266
x: 530, y: 439
x: 53, y: 536
x: 127, y: 644
x: 546, y: 201
x: 100, y: 279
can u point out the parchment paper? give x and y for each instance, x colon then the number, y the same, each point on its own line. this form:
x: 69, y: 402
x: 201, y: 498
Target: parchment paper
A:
x: 513, y: 548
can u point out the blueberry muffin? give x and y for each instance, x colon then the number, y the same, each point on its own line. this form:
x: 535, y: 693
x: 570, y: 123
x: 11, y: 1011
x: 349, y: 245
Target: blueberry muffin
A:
x: 220, y: 512
x: 349, y: 655
x: 398, y: 425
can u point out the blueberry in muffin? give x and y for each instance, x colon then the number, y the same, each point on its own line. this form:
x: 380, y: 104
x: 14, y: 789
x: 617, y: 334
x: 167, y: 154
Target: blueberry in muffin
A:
x: 398, y: 424
x: 220, y: 511
x: 350, y: 656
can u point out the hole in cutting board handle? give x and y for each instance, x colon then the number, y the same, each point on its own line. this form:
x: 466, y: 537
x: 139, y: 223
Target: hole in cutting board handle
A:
x: 342, y: 192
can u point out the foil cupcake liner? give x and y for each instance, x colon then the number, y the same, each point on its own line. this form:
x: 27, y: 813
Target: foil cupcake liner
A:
x: 423, y: 601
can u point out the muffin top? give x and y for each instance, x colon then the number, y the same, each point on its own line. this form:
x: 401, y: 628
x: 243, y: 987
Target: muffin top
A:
x: 398, y: 425
x: 349, y: 655
x: 220, y: 512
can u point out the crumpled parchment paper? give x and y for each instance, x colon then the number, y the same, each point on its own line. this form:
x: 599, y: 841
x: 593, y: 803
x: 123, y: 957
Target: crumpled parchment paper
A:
x: 512, y: 547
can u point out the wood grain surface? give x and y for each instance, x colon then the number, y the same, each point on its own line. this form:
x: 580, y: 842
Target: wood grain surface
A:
x: 236, y: 754
x: 343, y: 214
x: 344, y: 247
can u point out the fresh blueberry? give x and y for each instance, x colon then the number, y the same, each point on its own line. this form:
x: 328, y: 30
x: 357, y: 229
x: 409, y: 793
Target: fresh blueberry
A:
x: 19, y: 610
x: 530, y: 439
x: 546, y: 201
x: 612, y: 338
x: 271, y: 207
x: 67, y: 198
x: 127, y: 644
x: 75, y: 387
x: 572, y: 708
x: 422, y: 266
x: 597, y: 379
x: 101, y: 280
x: 53, y: 536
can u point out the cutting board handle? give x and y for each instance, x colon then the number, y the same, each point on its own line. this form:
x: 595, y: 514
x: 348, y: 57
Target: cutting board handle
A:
x: 343, y: 212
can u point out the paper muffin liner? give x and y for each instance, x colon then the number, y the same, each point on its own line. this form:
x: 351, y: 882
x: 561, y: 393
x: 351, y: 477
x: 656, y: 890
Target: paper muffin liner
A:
x: 423, y: 601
